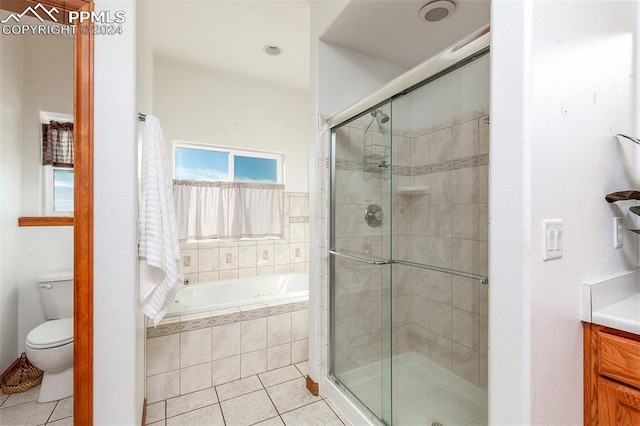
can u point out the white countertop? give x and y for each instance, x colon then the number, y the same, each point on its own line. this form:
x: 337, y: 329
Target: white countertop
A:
x: 613, y: 301
x: 623, y: 315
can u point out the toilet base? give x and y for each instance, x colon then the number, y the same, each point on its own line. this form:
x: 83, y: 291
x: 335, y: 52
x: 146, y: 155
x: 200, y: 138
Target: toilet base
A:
x: 56, y: 385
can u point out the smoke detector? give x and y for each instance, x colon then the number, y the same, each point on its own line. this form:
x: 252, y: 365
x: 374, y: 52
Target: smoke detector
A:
x: 436, y: 10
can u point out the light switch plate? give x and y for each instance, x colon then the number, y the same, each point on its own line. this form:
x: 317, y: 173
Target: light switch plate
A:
x: 618, y: 242
x: 552, y: 239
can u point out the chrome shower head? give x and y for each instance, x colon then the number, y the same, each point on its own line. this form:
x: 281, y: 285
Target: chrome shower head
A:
x: 381, y: 116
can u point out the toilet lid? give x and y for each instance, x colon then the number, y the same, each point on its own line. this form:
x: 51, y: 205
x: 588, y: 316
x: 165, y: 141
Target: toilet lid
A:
x: 51, y: 334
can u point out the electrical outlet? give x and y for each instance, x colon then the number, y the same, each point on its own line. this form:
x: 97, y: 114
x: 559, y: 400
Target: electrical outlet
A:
x: 617, y: 232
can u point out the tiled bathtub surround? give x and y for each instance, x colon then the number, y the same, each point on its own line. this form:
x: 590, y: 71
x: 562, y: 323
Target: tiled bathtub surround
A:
x: 195, y: 352
x: 212, y: 260
x: 436, y: 315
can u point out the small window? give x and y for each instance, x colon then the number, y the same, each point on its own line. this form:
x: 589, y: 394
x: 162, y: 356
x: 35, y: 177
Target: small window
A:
x: 62, y: 190
x: 57, y: 173
x: 213, y: 163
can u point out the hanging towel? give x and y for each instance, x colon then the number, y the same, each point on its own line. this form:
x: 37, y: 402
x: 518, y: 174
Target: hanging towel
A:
x: 158, y: 249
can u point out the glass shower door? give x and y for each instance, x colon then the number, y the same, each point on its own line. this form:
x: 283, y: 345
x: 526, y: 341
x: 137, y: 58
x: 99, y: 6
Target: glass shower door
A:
x: 360, y: 266
x: 409, y: 252
x: 440, y: 231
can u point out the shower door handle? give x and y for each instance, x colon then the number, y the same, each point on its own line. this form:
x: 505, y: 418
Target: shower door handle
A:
x: 362, y: 259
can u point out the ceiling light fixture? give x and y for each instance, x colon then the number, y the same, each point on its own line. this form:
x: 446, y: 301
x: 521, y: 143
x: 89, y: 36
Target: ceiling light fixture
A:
x: 272, y: 50
x: 436, y: 10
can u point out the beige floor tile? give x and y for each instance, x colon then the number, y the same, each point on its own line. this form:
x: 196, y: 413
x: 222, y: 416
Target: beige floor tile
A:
x: 67, y: 421
x: 30, y: 413
x: 63, y: 409
x: 238, y: 387
x: 274, y: 421
x: 315, y: 414
x: 291, y: 395
x: 210, y: 416
x: 155, y: 412
x: 159, y: 423
x: 191, y: 401
x: 22, y: 397
x: 248, y: 409
x: 3, y: 398
x: 303, y: 367
x: 278, y: 376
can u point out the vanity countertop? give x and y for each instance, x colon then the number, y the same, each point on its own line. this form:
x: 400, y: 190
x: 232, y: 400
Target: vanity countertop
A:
x: 613, y: 301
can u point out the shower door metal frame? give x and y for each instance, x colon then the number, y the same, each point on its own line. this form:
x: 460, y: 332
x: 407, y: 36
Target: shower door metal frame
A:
x: 465, y: 51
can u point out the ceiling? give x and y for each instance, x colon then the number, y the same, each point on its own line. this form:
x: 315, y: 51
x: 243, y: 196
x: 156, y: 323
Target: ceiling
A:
x: 391, y: 29
x: 228, y: 35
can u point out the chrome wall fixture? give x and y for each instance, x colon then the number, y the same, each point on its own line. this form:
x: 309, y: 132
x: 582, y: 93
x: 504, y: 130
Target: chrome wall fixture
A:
x: 373, y: 215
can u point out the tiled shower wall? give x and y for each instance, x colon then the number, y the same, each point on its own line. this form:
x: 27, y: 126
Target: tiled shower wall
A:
x: 449, y: 229
x: 213, y: 260
x: 440, y: 316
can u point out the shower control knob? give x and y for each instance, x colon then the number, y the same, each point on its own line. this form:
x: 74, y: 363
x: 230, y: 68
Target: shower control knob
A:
x: 373, y: 215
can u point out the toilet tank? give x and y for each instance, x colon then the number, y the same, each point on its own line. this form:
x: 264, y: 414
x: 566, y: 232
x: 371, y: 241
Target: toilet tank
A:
x: 56, y: 293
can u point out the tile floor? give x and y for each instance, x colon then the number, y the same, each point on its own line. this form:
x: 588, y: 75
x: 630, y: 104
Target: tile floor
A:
x: 277, y: 397
x: 23, y: 409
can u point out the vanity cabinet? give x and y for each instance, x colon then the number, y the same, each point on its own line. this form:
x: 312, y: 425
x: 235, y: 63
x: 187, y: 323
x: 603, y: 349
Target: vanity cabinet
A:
x: 611, y: 377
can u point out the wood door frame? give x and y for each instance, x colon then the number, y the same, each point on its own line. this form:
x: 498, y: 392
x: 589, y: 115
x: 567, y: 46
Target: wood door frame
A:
x: 83, y: 227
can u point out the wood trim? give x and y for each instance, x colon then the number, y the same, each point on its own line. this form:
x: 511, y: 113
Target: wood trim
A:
x: 83, y: 232
x: 590, y: 374
x: 312, y: 386
x: 45, y: 221
x: 144, y: 412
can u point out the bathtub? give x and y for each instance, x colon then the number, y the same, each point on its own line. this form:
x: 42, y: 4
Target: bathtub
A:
x: 216, y: 295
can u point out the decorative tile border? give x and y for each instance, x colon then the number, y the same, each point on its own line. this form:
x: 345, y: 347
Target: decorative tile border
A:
x: 462, y: 163
x: 173, y: 326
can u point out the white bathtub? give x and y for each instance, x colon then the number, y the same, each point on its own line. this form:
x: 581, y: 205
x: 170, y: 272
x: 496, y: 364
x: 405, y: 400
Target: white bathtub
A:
x: 216, y: 295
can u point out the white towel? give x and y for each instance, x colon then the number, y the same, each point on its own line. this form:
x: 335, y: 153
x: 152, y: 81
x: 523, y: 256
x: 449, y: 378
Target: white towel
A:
x: 159, y: 249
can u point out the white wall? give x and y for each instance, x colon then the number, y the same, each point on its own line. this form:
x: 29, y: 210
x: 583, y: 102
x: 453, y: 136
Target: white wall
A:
x: 118, y: 326
x: 563, y: 83
x: 346, y: 76
x: 204, y: 106
x: 10, y: 144
x: 47, y: 86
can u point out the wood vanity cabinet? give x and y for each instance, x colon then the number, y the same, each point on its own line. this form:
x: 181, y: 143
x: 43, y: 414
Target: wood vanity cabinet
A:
x: 611, y: 377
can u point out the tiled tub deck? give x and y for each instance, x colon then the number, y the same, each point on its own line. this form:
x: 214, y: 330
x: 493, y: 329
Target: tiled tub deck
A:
x: 194, y: 352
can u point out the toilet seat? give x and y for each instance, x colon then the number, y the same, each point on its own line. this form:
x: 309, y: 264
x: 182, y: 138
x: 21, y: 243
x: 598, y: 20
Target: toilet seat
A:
x: 51, y: 334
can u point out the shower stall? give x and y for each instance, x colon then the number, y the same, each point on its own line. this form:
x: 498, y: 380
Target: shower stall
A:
x: 408, y: 250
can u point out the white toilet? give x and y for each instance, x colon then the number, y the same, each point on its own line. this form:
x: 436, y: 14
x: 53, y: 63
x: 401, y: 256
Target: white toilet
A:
x: 50, y: 345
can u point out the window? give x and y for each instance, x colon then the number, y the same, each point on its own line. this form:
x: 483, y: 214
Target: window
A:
x: 57, y: 159
x: 213, y: 163
x: 57, y: 191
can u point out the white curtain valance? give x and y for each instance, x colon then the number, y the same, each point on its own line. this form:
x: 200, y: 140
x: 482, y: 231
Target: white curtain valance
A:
x: 228, y: 210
